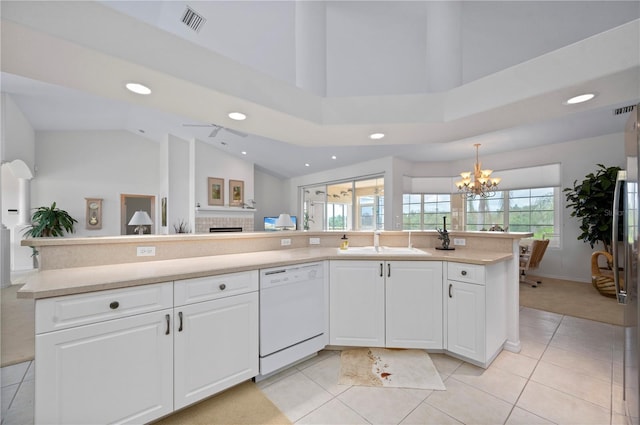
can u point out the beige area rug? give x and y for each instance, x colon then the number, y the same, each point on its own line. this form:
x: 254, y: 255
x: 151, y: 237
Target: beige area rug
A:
x: 381, y: 367
x: 243, y: 404
x: 17, y: 322
x: 578, y: 299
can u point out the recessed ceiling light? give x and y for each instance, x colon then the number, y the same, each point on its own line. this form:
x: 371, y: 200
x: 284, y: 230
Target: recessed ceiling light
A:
x: 138, y: 88
x: 244, y: 152
x: 376, y: 136
x: 580, y: 98
x: 333, y: 157
x: 307, y: 165
x: 238, y: 116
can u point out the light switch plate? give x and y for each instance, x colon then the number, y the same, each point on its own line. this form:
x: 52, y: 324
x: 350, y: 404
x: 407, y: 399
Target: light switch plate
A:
x: 314, y: 241
x: 285, y: 242
x: 459, y: 241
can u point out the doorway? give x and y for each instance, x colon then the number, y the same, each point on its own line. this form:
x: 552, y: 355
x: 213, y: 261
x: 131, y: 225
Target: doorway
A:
x: 129, y: 204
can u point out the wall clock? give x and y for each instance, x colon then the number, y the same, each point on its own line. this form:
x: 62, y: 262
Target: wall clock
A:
x: 94, y: 213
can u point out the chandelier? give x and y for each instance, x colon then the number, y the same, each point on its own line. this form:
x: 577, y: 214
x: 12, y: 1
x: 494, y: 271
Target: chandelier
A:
x: 481, y: 184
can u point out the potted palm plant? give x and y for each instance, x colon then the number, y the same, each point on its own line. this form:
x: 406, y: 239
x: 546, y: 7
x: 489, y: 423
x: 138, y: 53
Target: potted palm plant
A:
x: 592, y: 203
x: 50, y: 221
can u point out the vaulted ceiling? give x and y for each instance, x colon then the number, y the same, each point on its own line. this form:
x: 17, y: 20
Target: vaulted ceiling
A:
x: 316, y: 78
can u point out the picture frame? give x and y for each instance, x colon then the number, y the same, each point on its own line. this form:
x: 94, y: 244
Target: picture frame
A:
x: 236, y: 193
x: 93, y: 213
x: 215, y: 191
x: 163, y: 214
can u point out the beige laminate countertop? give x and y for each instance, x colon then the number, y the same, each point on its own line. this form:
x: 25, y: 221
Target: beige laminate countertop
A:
x: 77, y: 280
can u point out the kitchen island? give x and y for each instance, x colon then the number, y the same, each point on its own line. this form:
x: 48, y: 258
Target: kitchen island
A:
x: 177, y: 330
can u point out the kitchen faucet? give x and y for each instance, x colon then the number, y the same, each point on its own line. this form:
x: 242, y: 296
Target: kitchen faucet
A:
x: 376, y: 240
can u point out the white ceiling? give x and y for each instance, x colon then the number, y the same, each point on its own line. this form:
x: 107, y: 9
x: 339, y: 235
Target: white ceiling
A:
x: 64, y: 63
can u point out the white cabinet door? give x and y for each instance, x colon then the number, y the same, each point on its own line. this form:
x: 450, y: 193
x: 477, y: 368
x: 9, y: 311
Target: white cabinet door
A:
x: 216, y: 346
x: 466, y: 320
x: 117, y: 371
x: 414, y: 304
x: 356, y: 303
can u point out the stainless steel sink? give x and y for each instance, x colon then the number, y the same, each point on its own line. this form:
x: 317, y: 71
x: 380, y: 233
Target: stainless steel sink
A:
x: 383, y: 250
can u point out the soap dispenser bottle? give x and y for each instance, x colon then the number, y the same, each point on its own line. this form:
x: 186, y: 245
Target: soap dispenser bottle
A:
x: 345, y: 242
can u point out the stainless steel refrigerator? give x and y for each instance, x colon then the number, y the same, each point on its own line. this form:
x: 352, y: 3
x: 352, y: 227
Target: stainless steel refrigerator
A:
x: 627, y: 288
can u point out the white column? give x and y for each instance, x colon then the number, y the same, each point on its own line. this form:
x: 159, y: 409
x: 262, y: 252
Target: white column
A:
x: 444, y: 45
x: 311, y: 46
x: 24, y: 201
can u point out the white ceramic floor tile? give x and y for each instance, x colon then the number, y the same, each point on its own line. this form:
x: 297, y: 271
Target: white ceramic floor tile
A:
x: 560, y: 407
x: 277, y: 377
x: 578, y: 362
x: 583, y: 386
x: 7, y: 395
x: 383, y: 405
x: 534, y: 317
x: 426, y: 414
x: 588, y: 347
x: 21, y: 410
x: 495, y: 381
x: 446, y: 365
x: 326, y: 374
x: 468, y: 404
x: 537, y: 334
x: 31, y: 372
x: 532, y: 348
x: 515, y: 363
x: 13, y: 374
x: 321, y: 356
x: 521, y: 417
x: 332, y: 413
x: 296, y: 395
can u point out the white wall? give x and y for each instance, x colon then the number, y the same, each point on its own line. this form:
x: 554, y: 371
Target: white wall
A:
x: 75, y: 165
x: 213, y: 162
x: 179, y: 171
x: 271, y: 196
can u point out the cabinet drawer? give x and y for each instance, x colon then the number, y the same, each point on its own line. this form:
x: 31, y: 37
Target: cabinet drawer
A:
x: 200, y: 289
x: 82, y: 309
x: 472, y: 273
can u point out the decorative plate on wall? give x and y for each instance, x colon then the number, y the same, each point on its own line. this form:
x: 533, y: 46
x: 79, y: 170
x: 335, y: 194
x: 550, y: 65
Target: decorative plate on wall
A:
x: 94, y: 213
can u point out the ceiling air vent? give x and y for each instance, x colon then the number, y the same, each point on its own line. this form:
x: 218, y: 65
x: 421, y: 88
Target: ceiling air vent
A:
x: 623, y: 110
x: 192, y: 19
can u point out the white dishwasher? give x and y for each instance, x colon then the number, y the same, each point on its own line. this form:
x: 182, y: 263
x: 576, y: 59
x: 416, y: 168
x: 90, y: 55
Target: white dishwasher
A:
x: 293, y: 314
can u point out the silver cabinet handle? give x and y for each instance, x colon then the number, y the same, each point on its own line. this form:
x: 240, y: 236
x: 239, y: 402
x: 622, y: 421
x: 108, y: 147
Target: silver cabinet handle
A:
x: 381, y: 269
x: 168, y: 319
x: 180, y: 325
x: 450, y: 286
x: 388, y: 269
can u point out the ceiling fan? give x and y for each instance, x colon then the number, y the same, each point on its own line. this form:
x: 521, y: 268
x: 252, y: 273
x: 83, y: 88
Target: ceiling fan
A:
x: 216, y: 129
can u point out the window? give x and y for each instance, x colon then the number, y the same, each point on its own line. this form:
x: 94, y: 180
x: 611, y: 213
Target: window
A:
x: 425, y: 211
x: 345, y: 205
x: 532, y: 210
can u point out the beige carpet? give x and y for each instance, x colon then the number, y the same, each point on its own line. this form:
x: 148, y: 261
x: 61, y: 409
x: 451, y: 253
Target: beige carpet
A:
x: 243, y: 404
x: 17, y: 320
x: 381, y: 367
x: 576, y: 299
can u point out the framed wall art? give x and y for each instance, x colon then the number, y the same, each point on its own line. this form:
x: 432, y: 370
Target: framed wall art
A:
x: 94, y: 213
x: 215, y: 191
x: 236, y: 193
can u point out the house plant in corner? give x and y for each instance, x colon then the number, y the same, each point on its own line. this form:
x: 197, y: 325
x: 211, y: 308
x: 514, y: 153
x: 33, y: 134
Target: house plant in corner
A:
x: 592, y: 203
x: 49, y: 221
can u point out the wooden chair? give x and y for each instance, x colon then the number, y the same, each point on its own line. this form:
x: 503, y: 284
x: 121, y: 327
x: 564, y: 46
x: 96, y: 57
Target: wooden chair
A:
x: 531, y: 259
x: 602, y: 278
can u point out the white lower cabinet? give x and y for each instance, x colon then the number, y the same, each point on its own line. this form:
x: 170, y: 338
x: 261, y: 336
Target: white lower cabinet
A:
x: 103, y: 357
x: 117, y: 371
x: 386, y: 304
x: 476, y: 311
x: 414, y: 304
x: 356, y: 303
x: 216, y: 346
x: 465, y: 319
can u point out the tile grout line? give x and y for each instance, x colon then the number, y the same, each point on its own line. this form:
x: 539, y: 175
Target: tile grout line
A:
x: 532, y: 372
